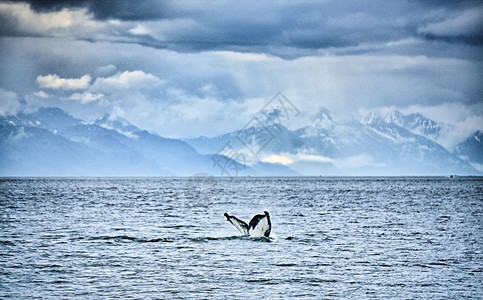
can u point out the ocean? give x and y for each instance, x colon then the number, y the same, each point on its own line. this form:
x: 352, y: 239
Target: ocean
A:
x: 167, y: 238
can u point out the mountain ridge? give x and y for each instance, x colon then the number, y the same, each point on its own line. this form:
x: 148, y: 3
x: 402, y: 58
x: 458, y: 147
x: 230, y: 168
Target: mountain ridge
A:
x: 40, y: 143
x: 50, y: 142
x: 379, y: 144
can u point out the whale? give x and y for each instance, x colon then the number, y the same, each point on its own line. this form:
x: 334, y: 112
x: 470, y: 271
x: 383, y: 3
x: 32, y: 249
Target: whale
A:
x: 259, y: 225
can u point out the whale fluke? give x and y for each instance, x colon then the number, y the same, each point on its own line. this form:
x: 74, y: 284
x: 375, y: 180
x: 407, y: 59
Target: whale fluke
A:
x: 259, y: 225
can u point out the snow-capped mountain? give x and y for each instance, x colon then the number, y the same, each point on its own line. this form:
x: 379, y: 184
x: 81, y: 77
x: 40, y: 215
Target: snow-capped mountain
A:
x: 119, y: 124
x: 322, y: 125
x: 415, y: 122
x: 380, y: 144
x: 50, y: 118
x: 410, y: 150
x: 471, y: 150
x: 50, y: 142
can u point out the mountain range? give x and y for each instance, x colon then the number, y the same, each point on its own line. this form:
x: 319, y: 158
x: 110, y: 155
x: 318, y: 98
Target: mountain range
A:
x: 50, y: 142
x: 379, y: 144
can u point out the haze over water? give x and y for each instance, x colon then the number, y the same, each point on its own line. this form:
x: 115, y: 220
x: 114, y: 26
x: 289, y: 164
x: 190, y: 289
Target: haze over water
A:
x: 167, y: 238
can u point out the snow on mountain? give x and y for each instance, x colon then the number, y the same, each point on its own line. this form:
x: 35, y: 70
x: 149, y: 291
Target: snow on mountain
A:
x: 50, y: 118
x: 251, y: 140
x: 418, y: 124
x: 415, y: 122
x: 380, y: 144
x: 413, y: 151
x: 51, y: 142
x: 471, y: 150
x: 322, y: 125
x: 117, y: 123
x: 321, y: 135
x: 374, y: 118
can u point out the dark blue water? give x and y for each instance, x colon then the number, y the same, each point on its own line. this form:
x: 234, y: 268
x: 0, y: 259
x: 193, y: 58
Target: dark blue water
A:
x: 167, y: 238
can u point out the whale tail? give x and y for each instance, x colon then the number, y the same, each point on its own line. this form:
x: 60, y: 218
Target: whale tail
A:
x: 239, y: 224
x: 259, y: 225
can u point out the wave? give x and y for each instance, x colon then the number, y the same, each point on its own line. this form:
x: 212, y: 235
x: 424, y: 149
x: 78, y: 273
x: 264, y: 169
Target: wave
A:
x: 129, y: 239
x: 235, y: 237
x: 126, y: 238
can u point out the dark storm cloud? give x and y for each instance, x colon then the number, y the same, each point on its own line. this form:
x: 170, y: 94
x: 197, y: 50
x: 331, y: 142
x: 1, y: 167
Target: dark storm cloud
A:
x: 214, y: 62
x: 105, y: 9
x: 280, y: 28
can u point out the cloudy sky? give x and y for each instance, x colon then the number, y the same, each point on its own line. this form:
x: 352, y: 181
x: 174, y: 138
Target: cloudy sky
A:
x: 190, y: 68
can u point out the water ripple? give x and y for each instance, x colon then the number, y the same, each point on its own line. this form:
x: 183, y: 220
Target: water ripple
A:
x: 383, y: 238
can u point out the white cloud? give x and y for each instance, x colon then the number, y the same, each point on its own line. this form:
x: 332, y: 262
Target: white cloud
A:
x: 55, y: 82
x: 277, y: 159
x: 9, y: 103
x: 170, y: 30
x: 289, y: 158
x: 458, y: 132
x: 357, y: 161
x: 127, y: 80
x: 467, y: 22
x: 231, y: 55
x: 86, y: 97
x: 41, y: 94
x: 56, y: 23
x: 140, y: 30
